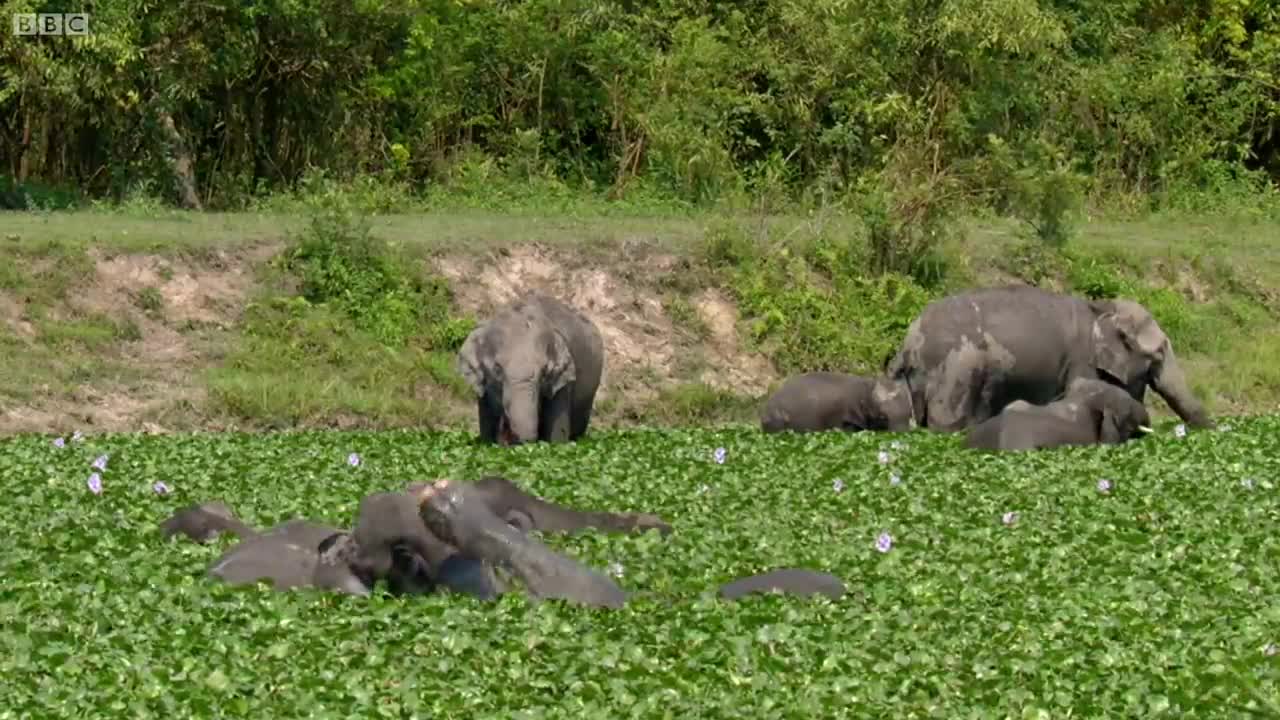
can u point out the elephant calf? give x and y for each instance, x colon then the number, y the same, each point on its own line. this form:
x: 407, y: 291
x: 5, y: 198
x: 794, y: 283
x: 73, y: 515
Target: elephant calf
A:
x: 829, y: 400
x: 1091, y: 412
x: 535, y: 368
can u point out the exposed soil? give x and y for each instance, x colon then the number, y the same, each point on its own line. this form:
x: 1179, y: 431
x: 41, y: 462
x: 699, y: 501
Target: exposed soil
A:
x: 184, y: 334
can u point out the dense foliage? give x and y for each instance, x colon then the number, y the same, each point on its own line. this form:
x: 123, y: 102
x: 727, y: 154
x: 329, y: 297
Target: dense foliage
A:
x: 1021, y: 102
x: 1013, y: 586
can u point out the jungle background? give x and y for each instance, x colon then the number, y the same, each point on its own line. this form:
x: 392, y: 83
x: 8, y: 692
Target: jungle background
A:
x: 287, y: 213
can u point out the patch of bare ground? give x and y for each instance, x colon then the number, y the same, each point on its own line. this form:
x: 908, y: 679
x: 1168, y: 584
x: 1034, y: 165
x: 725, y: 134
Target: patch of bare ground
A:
x: 643, y: 348
x: 189, y: 304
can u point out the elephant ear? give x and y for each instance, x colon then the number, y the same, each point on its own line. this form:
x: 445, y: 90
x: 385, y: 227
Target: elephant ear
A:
x: 469, y: 363
x: 1109, y: 426
x: 559, y: 370
x: 1127, y: 341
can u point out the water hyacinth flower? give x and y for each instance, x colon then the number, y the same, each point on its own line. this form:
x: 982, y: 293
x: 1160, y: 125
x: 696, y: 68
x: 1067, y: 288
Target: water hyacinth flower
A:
x: 1270, y: 650
x: 1247, y: 483
x: 719, y: 455
x: 160, y: 488
x: 615, y: 569
x: 1009, y: 518
x: 95, y: 484
x: 1104, y: 486
x: 100, y: 462
x: 1180, y: 431
x: 59, y: 442
x: 838, y: 485
x: 703, y: 489
x: 883, y: 457
x: 77, y: 436
x: 885, y: 542
x: 894, y: 479
x: 896, y: 445
x: 353, y: 460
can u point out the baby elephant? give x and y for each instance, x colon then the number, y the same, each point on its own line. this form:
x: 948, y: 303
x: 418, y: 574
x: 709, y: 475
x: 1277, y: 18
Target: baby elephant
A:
x: 829, y: 400
x: 535, y: 368
x: 1090, y: 412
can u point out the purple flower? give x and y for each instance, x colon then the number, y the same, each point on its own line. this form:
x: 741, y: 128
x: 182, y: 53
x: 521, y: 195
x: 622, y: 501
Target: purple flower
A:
x: 883, y: 457
x: 95, y: 484
x: 1104, y: 486
x: 1180, y: 431
x: 884, y: 542
x: 718, y: 456
x: 59, y: 442
x: 160, y: 488
x: 77, y: 436
x: 894, y: 479
x: 1009, y: 518
x: 353, y: 460
x: 100, y: 462
x: 1247, y: 483
x: 615, y: 569
x: 1270, y: 650
x: 838, y: 485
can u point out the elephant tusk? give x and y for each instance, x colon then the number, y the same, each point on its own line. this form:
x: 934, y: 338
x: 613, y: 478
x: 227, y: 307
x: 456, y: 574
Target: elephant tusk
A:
x: 1144, y: 429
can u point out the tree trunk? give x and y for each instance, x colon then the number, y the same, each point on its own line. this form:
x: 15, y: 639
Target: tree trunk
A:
x: 180, y: 163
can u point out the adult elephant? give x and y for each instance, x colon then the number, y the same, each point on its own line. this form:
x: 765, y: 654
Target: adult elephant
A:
x: 535, y: 368
x: 969, y: 355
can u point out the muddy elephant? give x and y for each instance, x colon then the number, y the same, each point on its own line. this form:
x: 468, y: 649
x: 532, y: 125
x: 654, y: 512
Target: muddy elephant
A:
x: 1091, y: 412
x: 388, y: 542
x: 535, y: 368
x: 461, y: 516
x: 819, y: 401
x: 969, y: 355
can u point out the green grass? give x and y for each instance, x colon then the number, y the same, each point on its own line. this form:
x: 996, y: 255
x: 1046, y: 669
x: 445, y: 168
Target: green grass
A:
x: 375, y: 347
x: 1155, y: 600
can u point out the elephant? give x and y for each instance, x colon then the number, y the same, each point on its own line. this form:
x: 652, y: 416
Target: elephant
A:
x: 1091, y: 412
x: 535, y: 367
x: 460, y: 515
x: 818, y: 401
x: 967, y: 356
x: 388, y: 542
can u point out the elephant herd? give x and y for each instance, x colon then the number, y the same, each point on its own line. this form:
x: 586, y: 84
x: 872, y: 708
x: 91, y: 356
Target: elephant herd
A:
x: 1014, y: 367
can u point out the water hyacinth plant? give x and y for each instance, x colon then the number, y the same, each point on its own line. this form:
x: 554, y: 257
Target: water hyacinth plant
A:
x: 978, y: 589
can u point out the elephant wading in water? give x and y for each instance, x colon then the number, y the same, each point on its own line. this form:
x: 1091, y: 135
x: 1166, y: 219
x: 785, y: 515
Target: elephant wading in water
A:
x: 967, y: 356
x: 1092, y: 412
x: 535, y: 368
x: 819, y: 401
x: 388, y: 542
x: 461, y: 536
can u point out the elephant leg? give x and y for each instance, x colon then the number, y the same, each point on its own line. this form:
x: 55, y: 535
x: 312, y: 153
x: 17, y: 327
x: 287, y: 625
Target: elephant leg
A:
x: 490, y: 420
x: 554, y: 416
x: 580, y: 417
x: 530, y: 512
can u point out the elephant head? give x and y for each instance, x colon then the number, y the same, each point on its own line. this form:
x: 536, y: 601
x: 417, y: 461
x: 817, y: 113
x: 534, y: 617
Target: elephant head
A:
x: 515, y: 367
x: 1131, y: 351
x: 1115, y: 415
x: 892, y: 401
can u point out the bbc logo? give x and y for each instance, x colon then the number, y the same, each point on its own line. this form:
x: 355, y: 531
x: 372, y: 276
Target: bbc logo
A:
x: 51, y: 24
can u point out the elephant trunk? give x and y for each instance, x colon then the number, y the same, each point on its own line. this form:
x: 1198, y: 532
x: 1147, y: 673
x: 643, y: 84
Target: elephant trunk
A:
x: 1171, y: 384
x: 520, y: 412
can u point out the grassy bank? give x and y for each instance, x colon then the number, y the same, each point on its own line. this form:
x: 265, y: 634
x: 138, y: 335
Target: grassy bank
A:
x: 144, y: 318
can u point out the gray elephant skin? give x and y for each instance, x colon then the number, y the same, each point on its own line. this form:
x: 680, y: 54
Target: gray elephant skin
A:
x: 535, y: 368
x: 969, y: 355
x: 1091, y: 412
x: 818, y: 401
